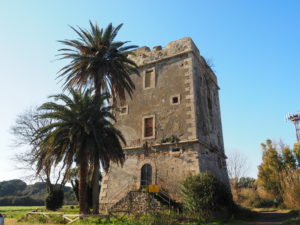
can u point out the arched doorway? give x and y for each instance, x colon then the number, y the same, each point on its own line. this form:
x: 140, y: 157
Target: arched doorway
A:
x: 146, y: 175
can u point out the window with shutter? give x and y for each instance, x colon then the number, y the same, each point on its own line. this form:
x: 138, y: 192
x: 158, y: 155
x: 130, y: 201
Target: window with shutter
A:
x: 148, y: 127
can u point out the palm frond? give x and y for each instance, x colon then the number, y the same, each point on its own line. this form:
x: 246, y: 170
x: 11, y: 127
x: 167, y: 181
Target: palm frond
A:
x: 97, y: 61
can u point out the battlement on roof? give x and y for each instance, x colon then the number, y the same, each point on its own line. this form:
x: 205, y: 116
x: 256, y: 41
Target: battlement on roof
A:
x: 145, y: 56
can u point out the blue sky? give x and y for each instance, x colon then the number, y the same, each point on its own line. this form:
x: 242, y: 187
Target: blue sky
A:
x: 254, y: 46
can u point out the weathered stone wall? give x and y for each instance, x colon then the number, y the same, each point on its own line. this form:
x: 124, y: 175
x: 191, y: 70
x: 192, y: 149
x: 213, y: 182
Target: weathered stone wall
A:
x: 208, y: 119
x: 172, y: 75
x: 168, y: 170
x: 213, y: 162
x: 196, y: 121
x: 207, y: 107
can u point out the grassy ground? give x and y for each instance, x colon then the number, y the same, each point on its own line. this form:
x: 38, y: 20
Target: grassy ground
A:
x: 16, y: 211
x: 295, y: 219
x: 292, y: 221
x: 17, y: 216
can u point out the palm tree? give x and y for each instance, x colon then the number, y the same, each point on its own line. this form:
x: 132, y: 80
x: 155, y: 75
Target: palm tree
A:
x: 100, y: 62
x: 80, y: 130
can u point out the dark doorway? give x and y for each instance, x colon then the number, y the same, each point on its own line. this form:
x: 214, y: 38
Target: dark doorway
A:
x: 146, y: 175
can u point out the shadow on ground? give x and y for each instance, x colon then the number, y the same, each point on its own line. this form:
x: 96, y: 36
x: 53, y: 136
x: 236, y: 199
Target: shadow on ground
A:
x: 273, y: 217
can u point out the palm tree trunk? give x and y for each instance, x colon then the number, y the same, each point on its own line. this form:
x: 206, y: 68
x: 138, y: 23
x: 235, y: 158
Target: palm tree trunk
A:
x: 96, y: 171
x: 97, y: 86
x: 83, y: 169
x: 96, y: 186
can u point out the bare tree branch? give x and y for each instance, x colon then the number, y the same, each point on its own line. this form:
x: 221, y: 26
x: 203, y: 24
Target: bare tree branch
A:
x: 237, y: 165
x: 24, y: 131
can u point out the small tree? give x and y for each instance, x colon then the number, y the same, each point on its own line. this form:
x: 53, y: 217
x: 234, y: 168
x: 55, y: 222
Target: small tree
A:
x: 237, y: 166
x: 207, y: 197
x: 290, y: 176
x: 24, y: 130
x: 279, y: 173
x: 269, y: 169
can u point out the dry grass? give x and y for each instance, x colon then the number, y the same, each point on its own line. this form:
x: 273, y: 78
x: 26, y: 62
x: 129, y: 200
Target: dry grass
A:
x: 11, y: 221
x: 272, y: 210
x: 262, y: 193
x: 14, y: 221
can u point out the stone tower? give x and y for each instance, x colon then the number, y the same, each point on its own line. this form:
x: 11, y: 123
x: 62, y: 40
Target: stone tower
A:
x: 172, y: 123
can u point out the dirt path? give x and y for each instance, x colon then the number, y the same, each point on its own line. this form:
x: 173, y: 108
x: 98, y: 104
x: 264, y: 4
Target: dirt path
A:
x: 274, y: 217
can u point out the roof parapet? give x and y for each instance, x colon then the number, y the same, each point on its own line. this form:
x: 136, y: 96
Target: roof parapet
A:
x: 144, y: 55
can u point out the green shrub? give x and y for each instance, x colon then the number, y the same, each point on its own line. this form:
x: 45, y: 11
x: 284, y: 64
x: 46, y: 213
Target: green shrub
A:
x: 54, y: 200
x: 260, y: 203
x: 171, y: 139
x: 206, y: 196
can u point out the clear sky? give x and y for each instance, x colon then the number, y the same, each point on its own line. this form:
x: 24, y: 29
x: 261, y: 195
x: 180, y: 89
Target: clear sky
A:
x: 254, y: 46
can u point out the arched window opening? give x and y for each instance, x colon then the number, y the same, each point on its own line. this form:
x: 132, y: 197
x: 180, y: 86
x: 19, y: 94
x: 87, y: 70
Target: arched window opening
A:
x: 146, y: 175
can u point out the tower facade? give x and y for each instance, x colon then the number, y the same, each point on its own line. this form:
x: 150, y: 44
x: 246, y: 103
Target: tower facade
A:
x: 172, y: 123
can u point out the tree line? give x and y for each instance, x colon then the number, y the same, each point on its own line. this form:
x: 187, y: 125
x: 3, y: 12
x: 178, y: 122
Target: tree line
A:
x: 18, y: 193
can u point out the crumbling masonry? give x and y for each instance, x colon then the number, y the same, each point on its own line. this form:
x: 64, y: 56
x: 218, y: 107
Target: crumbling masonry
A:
x: 172, y: 124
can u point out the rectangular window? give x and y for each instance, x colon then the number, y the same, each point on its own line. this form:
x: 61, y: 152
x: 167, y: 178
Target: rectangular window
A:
x: 148, y: 127
x: 149, y: 79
